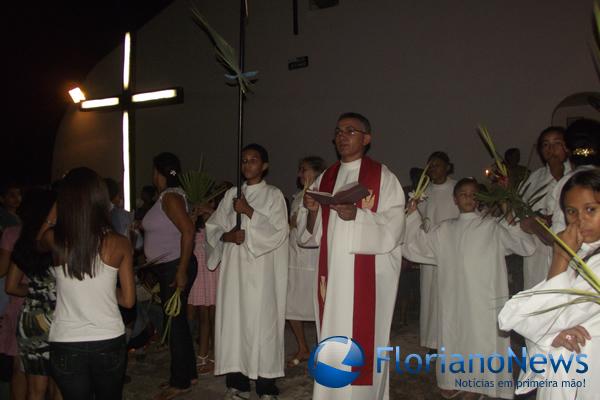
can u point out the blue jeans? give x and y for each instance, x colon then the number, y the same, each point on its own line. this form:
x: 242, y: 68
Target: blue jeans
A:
x: 85, y: 369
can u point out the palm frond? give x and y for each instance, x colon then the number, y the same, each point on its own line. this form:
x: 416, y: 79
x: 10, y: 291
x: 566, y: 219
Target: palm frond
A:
x: 197, y: 185
x: 487, y: 139
x: 422, y: 184
x: 225, y: 53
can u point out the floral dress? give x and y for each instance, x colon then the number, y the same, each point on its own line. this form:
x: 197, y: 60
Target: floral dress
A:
x: 38, y: 309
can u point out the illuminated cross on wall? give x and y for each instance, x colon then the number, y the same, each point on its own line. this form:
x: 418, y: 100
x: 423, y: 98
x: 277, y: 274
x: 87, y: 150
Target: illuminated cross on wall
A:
x: 128, y: 101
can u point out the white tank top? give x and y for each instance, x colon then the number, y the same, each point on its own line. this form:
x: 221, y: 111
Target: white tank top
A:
x: 86, y: 310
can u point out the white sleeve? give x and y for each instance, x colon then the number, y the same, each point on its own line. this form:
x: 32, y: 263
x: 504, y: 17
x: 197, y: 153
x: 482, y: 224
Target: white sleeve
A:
x: 305, y: 238
x: 216, y: 226
x: 267, y: 232
x: 418, y: 245
x: 540, y: 317
x: 515, y: 240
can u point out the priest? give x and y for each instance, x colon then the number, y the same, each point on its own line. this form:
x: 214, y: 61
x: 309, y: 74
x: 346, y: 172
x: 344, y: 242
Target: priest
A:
x: 359, y: 258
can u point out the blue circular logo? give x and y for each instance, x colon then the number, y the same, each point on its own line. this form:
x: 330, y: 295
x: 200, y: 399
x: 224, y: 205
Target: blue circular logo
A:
x: 329, y: 355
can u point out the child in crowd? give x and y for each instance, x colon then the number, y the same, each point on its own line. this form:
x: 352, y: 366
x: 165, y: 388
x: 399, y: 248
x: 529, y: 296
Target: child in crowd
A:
x: 300, y: 305
x: 469, y: 253
x: 564, y: 329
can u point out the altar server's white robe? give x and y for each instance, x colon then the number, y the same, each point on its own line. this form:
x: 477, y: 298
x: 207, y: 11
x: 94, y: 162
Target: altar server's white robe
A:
x: 301, y: 273
x: 472, y: 285
x: 438, y: 206
x: 250, y: 309
x: 541, y: 329
x: 535, y: 267
x: 377, y: 233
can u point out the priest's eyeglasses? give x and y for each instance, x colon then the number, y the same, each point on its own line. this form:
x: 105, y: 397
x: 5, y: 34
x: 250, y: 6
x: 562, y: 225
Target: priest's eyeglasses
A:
x: 348, y: 131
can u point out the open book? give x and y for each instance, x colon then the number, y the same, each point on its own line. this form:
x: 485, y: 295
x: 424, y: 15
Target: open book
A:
x: 347, y: 194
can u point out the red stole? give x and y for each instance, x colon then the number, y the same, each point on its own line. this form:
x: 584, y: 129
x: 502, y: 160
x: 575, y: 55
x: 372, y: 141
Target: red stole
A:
x: 363, y: 320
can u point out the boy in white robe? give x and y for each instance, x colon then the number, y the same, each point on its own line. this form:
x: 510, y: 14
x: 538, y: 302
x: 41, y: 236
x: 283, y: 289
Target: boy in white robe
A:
x: 353, y: 299
x: 553, y: 153
x: 438, y: 206
x: 472, y: 284
x: 250, y: 307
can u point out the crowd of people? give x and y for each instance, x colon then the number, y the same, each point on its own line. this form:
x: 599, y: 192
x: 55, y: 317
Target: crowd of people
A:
x: 86, y: 281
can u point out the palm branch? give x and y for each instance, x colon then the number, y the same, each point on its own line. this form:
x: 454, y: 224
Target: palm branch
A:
x: 225, y: 53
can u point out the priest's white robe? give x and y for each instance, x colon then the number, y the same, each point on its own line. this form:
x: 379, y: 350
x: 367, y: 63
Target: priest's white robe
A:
x: 438, y: 206
x: 541, y: 329
x: 303, y: 262
x: 378, y: 233
x: 535, y: 267
x: 472, y: 287
x: 251, y: 294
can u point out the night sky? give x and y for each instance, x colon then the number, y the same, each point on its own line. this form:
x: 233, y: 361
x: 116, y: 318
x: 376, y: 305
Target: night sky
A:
x: 50, y: 47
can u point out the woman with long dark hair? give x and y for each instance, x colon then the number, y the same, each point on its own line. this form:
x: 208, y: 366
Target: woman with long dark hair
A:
x: 169, y: 238
x: 87, y: 337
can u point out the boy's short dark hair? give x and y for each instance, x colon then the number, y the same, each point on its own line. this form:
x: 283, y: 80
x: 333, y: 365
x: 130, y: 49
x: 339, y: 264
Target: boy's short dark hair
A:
x: 262, y: 152
x: 465, y: 182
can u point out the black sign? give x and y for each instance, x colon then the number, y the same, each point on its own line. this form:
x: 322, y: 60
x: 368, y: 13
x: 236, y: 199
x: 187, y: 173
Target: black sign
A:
x: 298, y: 62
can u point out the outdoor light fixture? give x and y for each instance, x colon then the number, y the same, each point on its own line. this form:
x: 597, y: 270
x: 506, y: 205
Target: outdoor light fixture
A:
x: 77, y: 95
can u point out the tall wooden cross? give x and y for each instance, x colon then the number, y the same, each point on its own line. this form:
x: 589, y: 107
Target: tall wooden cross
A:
x: 127, y: 101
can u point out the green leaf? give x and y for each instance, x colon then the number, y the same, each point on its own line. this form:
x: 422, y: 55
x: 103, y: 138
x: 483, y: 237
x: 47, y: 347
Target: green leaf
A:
x: 197, y: 185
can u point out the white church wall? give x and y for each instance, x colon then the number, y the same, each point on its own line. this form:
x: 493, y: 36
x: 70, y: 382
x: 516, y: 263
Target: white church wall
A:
x: 425, y: 73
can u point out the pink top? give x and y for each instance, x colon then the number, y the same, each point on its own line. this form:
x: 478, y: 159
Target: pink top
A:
x: 204, y: 289
x: 162, y: 239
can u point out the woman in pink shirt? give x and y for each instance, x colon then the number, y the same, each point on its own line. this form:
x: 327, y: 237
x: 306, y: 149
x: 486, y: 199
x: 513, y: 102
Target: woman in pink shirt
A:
x: 169, y: 238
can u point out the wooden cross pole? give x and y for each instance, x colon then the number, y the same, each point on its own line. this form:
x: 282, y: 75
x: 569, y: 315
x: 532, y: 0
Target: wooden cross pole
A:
x: 127, y: 101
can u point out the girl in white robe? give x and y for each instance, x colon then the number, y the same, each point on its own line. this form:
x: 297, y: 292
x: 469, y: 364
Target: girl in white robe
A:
x: 472, y: 284
x: 302, y: 265
x: 572, y: 328
x: 438, y: 206
x: 250, y: 309
x: 541, y: 182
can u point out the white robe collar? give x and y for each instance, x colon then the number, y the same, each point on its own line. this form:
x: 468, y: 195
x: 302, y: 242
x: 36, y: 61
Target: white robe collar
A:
x: 443, y: 186
x: 468, y: 216
x: 352, y: 164
x: 253, y: 188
